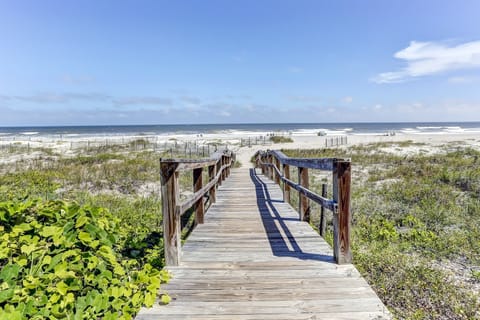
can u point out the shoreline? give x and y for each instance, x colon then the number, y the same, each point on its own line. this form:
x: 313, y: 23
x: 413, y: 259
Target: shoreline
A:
x: 244, y: 143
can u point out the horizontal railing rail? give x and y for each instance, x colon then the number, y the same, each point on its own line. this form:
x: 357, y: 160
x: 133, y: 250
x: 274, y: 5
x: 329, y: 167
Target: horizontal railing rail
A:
x: 276, y: 166
x: 218, y: 165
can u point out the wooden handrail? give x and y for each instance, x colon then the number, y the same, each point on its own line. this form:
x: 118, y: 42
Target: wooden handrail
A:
x: 271, y: 161
x: 218, y: 170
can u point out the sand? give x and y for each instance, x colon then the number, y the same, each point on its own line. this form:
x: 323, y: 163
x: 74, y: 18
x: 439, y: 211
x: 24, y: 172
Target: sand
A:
x: 71, y: 146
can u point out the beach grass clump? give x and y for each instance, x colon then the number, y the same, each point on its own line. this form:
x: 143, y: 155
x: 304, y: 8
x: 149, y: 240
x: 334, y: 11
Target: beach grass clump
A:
x: 281, y: 139
x: 415, y: 226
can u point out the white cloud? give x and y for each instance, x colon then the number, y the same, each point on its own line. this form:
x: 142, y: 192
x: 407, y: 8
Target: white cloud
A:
x: 148, y: 100
x: 428, y: 58
x: 461, y: 80
x: 347, y: 99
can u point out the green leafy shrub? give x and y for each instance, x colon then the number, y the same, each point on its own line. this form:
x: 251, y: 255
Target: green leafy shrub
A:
x: 62, y: 260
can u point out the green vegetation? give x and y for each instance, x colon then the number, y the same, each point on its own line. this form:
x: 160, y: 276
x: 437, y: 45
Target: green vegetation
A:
x: 280, y: 139
x: 61, y: 260
x: 81, y: 236
x: 416, y: 227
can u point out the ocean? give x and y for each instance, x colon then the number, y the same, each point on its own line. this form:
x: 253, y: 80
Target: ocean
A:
x: 296, y: 129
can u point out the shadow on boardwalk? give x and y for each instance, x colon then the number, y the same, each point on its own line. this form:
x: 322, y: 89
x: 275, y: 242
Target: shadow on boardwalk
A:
x: 281, y: 239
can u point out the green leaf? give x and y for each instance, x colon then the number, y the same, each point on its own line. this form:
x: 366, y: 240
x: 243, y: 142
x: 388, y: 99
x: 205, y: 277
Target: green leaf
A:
x: 149, y: 299
x: 21, y: 228
x: 27, y: 249
x: 81, y: 221
x: 9, y: 272
x: 165, y: 299
x: 62, y: 288
x: 61, y: 271
x: 49, y: 231
x: 84, y: 237
x: 6, y: 295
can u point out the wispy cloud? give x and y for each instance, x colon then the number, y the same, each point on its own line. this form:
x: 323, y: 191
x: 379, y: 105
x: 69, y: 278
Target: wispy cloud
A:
x: 347, y: 99
x: 461, y: 80
x: 191, y: 100
x: 48, y: 97
x: 302, y: 98
x: 428, y: 58
x: 143, y: 101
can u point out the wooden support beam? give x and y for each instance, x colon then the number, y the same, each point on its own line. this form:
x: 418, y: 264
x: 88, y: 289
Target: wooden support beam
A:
x: 171, y: 217
x: 224, y: 172
x: 342, y: 217
x: 276, y: 175
x: 197, y: 186
x: 303, y: 201
x: 286, y: 187
x: 212, y: 172
x: 219, y: 167
x: 323, y: 219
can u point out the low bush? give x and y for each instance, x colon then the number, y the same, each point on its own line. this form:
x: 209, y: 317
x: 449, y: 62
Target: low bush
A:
x: 62, y: 260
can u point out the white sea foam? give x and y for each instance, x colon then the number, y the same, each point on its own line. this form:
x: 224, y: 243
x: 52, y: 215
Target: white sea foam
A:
x: 29, y: 133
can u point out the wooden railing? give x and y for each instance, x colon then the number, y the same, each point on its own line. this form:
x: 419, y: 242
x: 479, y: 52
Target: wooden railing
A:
x: 276, y: 166
x: 218, y: 170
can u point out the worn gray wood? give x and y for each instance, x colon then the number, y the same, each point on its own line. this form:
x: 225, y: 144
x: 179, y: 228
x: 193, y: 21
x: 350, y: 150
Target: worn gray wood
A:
x: 254, y: 259
x: 342, y: 216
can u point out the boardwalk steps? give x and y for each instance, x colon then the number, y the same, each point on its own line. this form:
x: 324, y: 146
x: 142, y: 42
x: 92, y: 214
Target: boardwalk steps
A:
x: 253, y: 259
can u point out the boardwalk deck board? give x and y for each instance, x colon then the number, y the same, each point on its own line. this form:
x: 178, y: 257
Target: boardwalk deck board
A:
x: 254, y: 259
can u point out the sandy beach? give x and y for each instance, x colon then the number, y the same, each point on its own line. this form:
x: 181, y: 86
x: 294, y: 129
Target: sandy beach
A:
x: 244, y: 144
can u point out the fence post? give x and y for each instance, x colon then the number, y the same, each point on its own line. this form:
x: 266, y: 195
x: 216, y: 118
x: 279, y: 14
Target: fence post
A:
x: 323, y: 219
x: 270, y: 168
x: 219, y: 167
x: 224, y: 171
x: 286, y: 187
x: 303, y: 202
x: 277, y: 164
x: 263, y: 160
x: 197, y: 185
x: 212, y: 172
x: 171, y: 217
x: 342, y: 217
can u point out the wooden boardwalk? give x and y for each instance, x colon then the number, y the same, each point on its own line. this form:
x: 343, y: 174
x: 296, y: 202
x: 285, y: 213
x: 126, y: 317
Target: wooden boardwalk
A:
x: 254, y: 259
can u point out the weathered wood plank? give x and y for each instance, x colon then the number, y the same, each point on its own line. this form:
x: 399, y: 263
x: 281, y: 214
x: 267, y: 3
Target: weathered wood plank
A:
x: 171, y: 217
x: 342, y: 217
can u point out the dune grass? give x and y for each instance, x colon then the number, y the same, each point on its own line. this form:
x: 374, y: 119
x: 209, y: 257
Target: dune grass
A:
x: 416, y: 226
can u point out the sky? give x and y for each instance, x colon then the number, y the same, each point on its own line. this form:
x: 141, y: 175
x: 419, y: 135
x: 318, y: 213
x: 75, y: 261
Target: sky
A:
x: 245, y: 61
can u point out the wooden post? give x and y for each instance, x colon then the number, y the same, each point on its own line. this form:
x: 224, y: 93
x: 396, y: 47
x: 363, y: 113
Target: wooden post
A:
x: 219, y: 167
x: 303, y: 202
x: 270, y: 168
x: 212, y: 172
x: 264, y: 169
x: 224, y: 171
x: 276, y: 162
x: 171, y: 217
x: 342, y: 217
x: 197, y: 185
x: 323, y: 219
x: 229, y: 163
x: 286, y: 187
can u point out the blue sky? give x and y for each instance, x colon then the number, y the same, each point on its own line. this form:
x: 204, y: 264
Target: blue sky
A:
x: 163, y: 62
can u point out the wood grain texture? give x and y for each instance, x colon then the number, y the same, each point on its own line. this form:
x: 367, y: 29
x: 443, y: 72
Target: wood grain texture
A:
x: 254, y: 259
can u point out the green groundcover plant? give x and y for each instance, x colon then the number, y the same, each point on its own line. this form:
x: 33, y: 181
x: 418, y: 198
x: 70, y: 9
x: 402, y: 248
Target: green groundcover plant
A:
x: 62, y: 260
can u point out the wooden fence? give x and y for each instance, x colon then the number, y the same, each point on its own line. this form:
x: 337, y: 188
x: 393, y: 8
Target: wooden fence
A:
x: 276, y: 166
x: 218, y: 170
